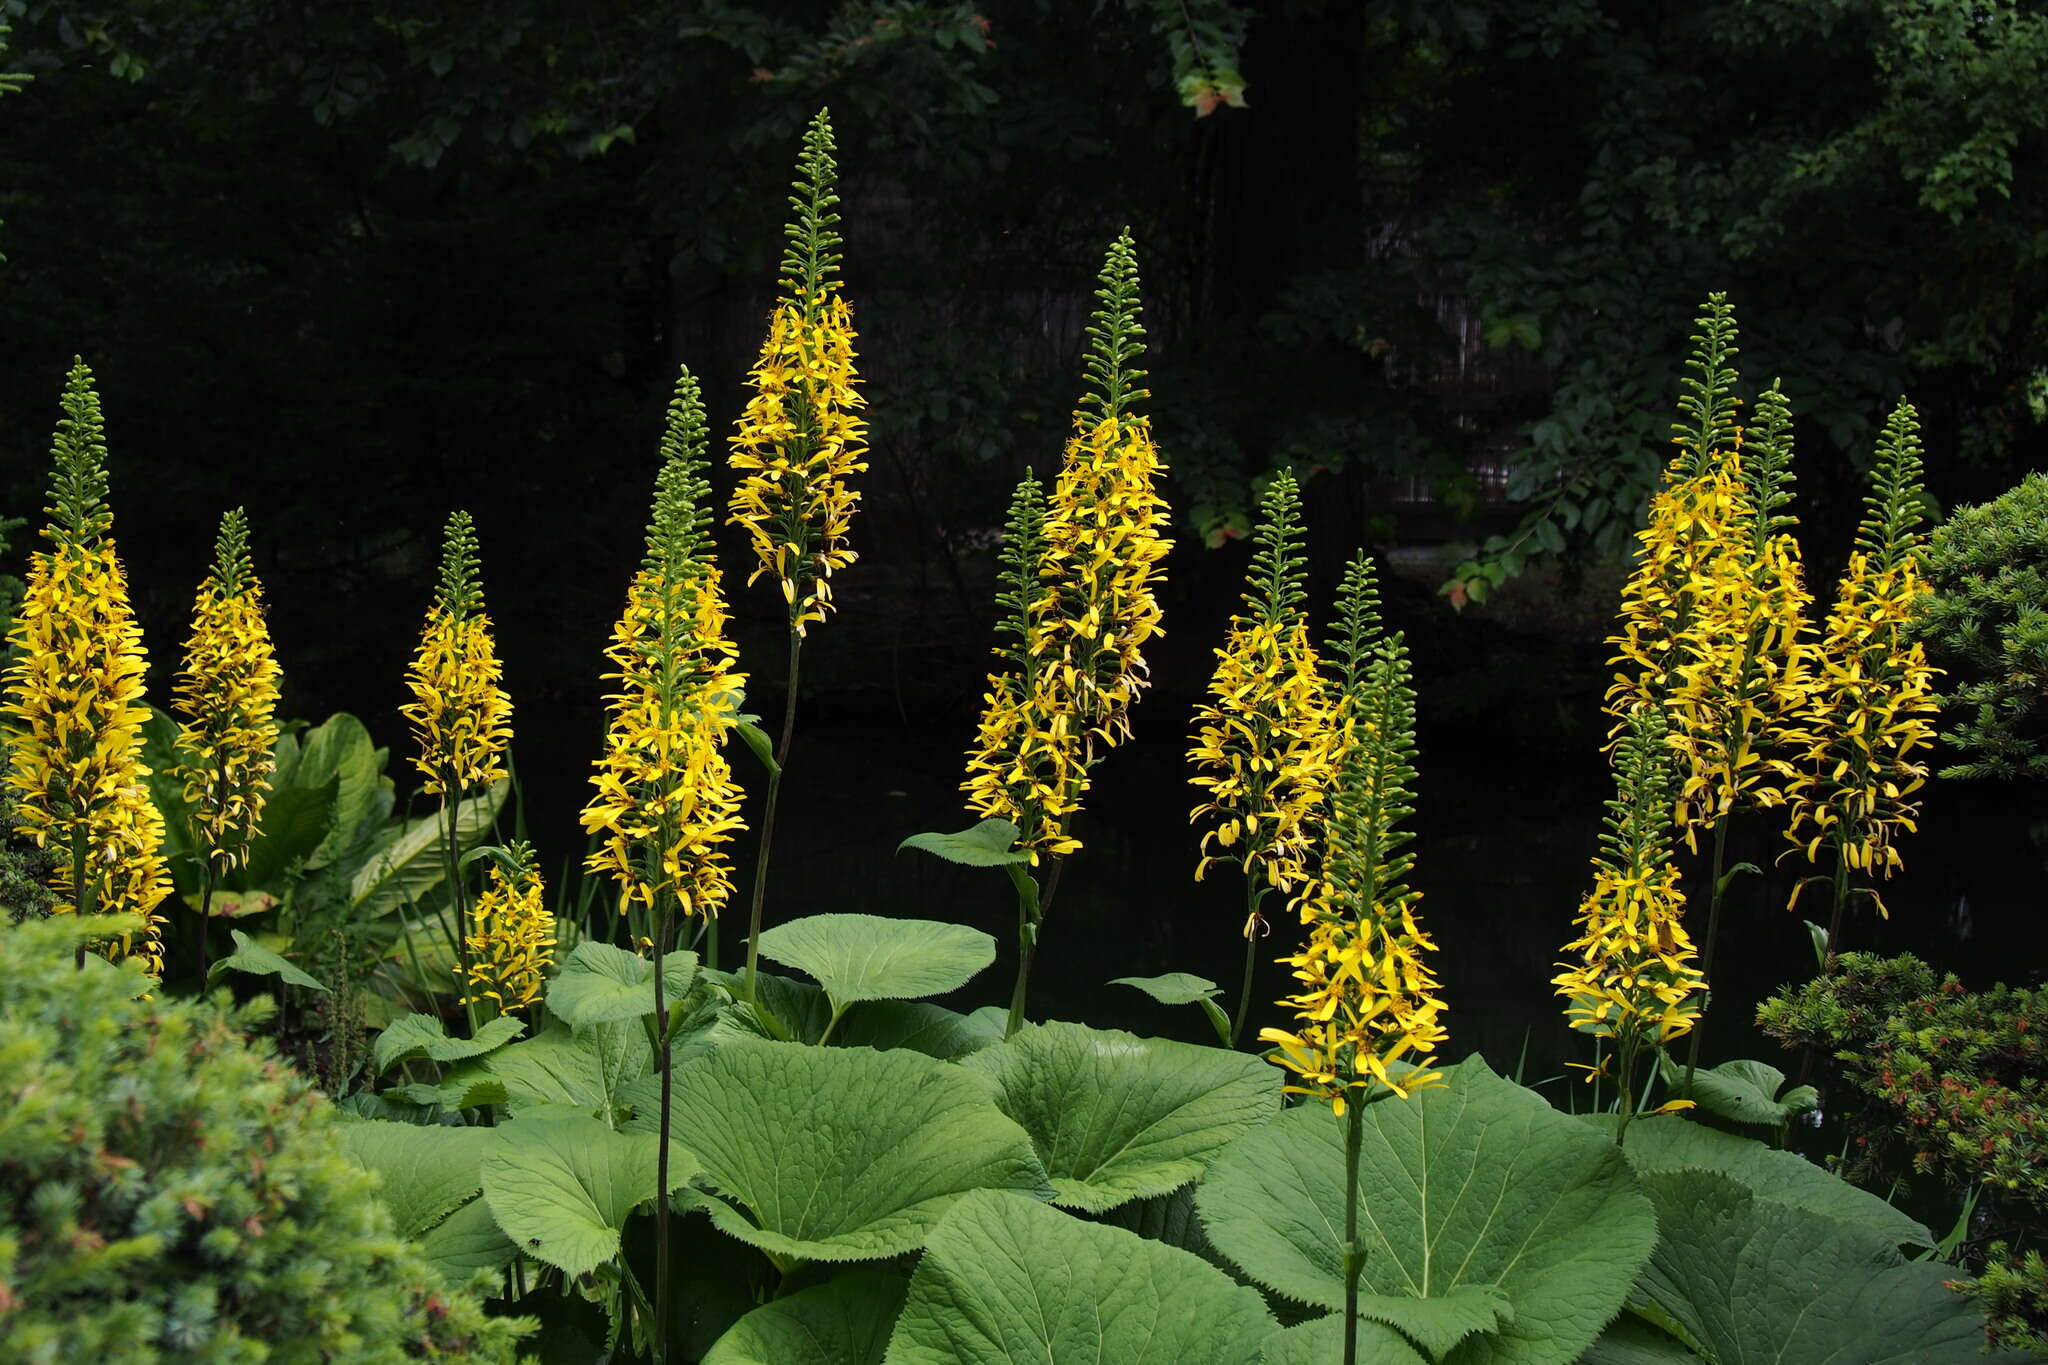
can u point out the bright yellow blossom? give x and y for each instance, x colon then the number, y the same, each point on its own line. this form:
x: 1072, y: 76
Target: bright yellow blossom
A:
x: 73, y: 712
x: 461, y: 716
x: 511, y: 937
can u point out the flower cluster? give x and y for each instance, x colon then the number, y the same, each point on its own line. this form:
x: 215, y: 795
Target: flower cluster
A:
x: 1634, y: 978
x: 798, y: 439
x: 460, y: 714
x: 666, y: 805
x: 511, y: 936
x: 73, y: 707
x: 1368, y: 1011
x: 226, y: 697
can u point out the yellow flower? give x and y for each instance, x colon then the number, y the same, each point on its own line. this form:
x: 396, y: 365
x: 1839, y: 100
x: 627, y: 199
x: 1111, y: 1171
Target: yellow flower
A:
x: 511, y: 938
x: 73, y: 707
x: 460, y: 714
x: 226, y: 695
x: 666, y: 804
x: 798, y: 440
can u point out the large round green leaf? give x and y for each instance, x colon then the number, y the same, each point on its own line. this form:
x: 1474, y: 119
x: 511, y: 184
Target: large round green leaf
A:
x: 1116, y: 1117
x: 466, y: 1241
x: 1477, y: 1201
x: 599, y: 984
x: 1745, y: 1281
x: 1322, y: 1341
x: 562, y: 1188
x: 423, y: 1035
x: 868, y: 957
x: 592, y: 1069
x: 845, y: 1321
x: 842, y: 1154
x: 428, y: 1170
x: 1005, y: 1279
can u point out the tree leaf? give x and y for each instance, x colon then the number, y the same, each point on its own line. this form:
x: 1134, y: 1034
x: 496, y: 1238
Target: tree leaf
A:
x: 592, y: 1069
x: 1477, y: 1182
x: 600, y: 984
x: 845, y: 1321
x: 1322, y: 1341
x: 423, y: 1035
x: 1744, y: 1091
x: 1007, y: 1279
x: 256, y: 960
x: 842, y: 1154
x: 1174, y: 988
x: 428, y: 1170
x: 466, y: 1241
x: 987, y: 844
x: 415, y: 860
x: 868, y: 957
x: 562, y: 1189
x: 1753, y: 1280
x: 1115, y: 1117
x: 1671, y: 1143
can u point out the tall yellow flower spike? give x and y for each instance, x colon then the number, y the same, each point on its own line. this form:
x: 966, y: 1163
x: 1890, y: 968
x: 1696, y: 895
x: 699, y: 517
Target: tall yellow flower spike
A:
x: 1369, y: 1019
x: 226, y: 698
x: 798, y: 440
x: 665, y: 804
x: 73, y: 714
x: 511, y: 936
x: 460, y: 714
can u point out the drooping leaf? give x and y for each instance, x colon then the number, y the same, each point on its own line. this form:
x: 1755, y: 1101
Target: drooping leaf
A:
x: 342, y: 749
x: 415, y: 860
x: 839, y: 1154
x: 917, y: 1025
x: 256, y: 960
x: 1477, y: 1182
x: 561, y: 1189
x: 1322, y: 1341
x: 986, y: 844
x: 1629, y: 1340
x: 599, y: 984
x: 1743, y: 1092
x: 466, y: 1241
x: 591, y: 1069
x: 1174, y: 988
x: 1006, y: 1279
x: 423, y: 1035
x: 1441, y: 1321
x: 869, y: 957
x: 1115, y: 1117
x: 1672, y: 1143
x: 428, y: 1170
x: 845, y: 1321
x: 1752, y: 1280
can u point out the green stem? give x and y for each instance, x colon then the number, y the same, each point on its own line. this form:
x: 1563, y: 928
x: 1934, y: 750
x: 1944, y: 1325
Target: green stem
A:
x: 760, y: 890
x: 663, y: 943
x: 1030, y: 913
x: 1354, y: 1255
x: 1252, y: 895
x: 205, y: 920
x: 451, y: 800
x: 1699, y: 1026
x: 1841, y: 890
x: 838, y: 1013
x: 1625, y: 1083
x: 78, y: 897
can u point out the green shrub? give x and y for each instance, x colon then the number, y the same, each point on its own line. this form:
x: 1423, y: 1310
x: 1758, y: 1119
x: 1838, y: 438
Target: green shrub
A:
x: 169, y: 1193
x: 1988, y: 623
x: 24, y: 870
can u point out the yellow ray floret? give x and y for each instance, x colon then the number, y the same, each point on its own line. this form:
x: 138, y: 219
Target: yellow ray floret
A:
x: 511, y: 938
x: 460, y: 714
x: 226, y: 698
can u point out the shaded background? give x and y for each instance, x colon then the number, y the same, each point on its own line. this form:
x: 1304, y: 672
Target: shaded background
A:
x: 354, y: 265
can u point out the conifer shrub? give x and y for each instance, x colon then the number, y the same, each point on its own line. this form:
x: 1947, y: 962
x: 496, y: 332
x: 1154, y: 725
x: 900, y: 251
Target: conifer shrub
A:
x: 169, y: 1193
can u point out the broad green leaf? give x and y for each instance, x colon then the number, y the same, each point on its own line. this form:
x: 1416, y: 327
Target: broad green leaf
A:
x: 341, y: 748
x: 1007, y: 1279
x: 1744, y: 1092
x: 415, y: 861
x: 1174, y: 988
x: 1116, y: 1117
x: 427, y: 1170
x: 599, y: 984
x: 231, y: 904
x: 917, y: 1025
x: 255, y: 959
x: 294, y: 821
x: 466, y: 1241
x: 562, y: 1188
x: 166, y: 791
x: 842, y: 1154
x: 868, y: 957
x: 422, y: 1035
x: 1321, y: 1342
x: 987, y: 844
x: 1476, y: 1182
x: 1672, y: 1143
x: 1441, y: 1321
x: 1629, y: 1340
x: 1753, y: 1280
x: 845, y: 1321
x: 466, y: 1087
x: 592, y: 1069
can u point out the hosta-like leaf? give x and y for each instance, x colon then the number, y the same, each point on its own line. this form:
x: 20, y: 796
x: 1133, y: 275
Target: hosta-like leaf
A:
x: 427, y: 1170
x: 466, y: 1241
x: 341, y: 748
x: 593, y: 1068
x: 423, y: 1035
x: 1751, y: 1280
x: 987, y: 844
x: 1006, y: 1279
x: 415, y: 860
x: 1477, y: 1182
x: 561, y: 1189
x: 1744, y: 1092
x: 1629, y: 1340
x: 868, y: 957
x: 842, y: 1154
x: 1116, y: 1117
x: 1321, y: 1342
x: 1672, y: 1143
x: 843, y: 1322
x: 256, y: 960
x: 599, y: 984
x: 1174, y: 988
